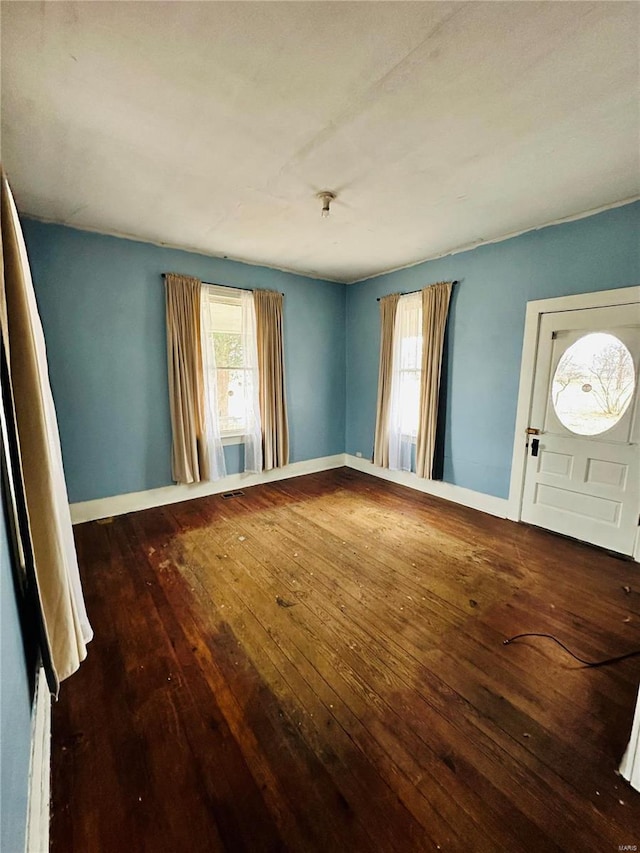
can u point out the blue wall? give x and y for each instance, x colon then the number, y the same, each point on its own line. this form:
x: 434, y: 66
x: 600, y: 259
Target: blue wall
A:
x: 486, y: 330
x: 101, y: 300
x: 15, y: 711
x: 102, y: 305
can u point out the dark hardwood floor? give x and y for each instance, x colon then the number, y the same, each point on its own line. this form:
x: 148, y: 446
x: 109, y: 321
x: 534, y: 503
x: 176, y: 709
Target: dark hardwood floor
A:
x: 319, y: 666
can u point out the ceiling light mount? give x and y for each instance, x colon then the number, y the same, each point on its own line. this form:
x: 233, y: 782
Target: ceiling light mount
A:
x: 326, y: 197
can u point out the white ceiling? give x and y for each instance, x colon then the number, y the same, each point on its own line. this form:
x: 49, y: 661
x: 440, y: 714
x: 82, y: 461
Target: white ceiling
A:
x: 212, y: 125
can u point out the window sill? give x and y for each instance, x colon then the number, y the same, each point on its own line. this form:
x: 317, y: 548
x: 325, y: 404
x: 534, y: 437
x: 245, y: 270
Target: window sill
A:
x: 228, y: 440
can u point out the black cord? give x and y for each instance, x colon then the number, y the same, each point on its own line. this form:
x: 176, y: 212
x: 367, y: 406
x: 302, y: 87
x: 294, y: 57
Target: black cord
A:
x: 590, y: 663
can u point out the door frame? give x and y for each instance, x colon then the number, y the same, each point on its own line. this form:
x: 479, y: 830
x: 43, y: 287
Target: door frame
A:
x: 535, y: 310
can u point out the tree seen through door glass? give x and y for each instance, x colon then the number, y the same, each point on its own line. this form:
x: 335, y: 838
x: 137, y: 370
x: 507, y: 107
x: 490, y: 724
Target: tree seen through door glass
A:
x: 593, y: 384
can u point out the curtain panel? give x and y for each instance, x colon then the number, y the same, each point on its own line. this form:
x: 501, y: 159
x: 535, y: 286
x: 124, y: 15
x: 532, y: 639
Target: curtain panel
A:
x: 630, y: 767
x: 38, y: 493
x: 273, y: 405
x: 189, y: 454
x: 388, y: 308
x: 435, y: 308
x: 215, y: 450
x: 253, y: 436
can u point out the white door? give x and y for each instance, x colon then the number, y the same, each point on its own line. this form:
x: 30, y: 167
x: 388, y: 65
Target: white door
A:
x: 582, y: 475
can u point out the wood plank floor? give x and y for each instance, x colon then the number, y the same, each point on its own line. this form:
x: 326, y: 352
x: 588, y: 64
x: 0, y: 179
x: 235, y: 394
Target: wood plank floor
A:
x: 319, y: 666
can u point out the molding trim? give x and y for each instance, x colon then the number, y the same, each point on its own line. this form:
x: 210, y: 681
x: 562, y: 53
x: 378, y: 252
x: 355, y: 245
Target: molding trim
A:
x: 469, y: 247
x: 134, y: 501
x: 37, y: 836
x: 192, y: 250
x: 437, y: 488
x: 120, y: 504
x: 456, y: 250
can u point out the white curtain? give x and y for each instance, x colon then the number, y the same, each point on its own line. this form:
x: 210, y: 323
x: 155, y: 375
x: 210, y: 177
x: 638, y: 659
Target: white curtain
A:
x: 630, y: 767
x: 217, y: 467
x: 405, y: 381
x: 251, y: 386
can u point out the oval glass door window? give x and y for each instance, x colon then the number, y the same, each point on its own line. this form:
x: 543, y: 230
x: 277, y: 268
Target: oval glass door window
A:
x: 593, y: 384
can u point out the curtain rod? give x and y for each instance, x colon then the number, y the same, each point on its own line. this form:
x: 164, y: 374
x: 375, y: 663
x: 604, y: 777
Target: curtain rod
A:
x: 413, y: 291
x: 211, y: 284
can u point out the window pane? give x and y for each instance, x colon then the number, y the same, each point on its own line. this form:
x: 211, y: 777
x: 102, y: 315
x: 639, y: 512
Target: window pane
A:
x: 233, y: 381
x: 409, y: 401
x: 228, y: 349
x: 411, y: 353
x: 226, y: 315
x: 231, y: 399
x: 407, y: 365
x: 593, y: 384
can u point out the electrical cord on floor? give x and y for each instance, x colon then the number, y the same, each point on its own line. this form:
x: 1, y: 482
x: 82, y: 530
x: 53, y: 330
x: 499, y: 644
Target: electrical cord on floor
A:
x: 588, y: 663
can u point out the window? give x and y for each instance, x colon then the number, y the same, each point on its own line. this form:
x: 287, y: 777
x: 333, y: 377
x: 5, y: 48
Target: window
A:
x: 406, y: 381
x: 409, y: 373
x: 225, y: 329
x: 232, y: 373
x: 412, y: 336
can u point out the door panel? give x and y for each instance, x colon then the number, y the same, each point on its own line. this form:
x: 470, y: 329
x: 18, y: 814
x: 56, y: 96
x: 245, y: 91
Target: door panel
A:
x: 583, y: 477
x: 606, y: 473
x: 552, y: 462
x: 587, y: 506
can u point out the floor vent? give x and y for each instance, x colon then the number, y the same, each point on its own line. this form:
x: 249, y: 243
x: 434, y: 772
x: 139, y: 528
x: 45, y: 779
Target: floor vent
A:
x: 227, y: 495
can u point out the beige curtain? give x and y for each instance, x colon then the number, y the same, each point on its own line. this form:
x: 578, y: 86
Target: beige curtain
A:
x: 388, y: 309
x: 189, y: 458
x: 38, y: 488
x: 435, y: 307
x: 273, y: 405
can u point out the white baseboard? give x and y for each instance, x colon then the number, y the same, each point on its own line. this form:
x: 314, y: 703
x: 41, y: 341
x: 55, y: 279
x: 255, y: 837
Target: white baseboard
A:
x: 119, y: 504
x: 437, y: 488
x: 37, y: 837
